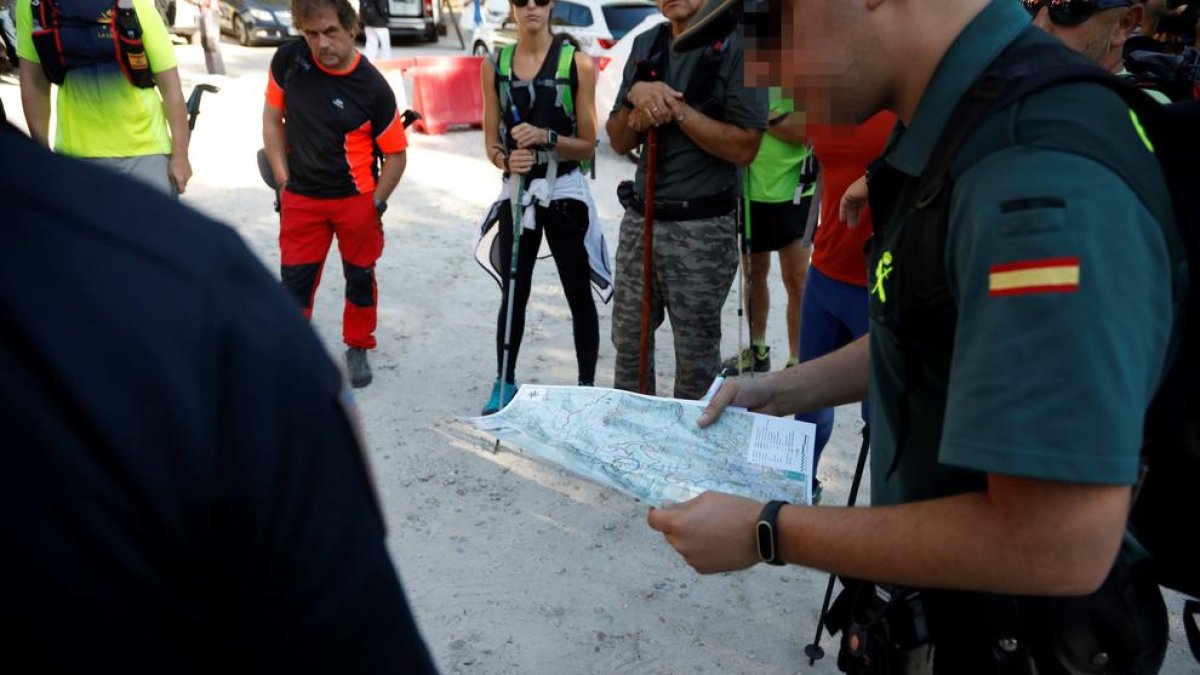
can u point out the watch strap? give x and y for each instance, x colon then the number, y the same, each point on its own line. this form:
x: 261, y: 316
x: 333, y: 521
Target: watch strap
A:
x: 766, y: 533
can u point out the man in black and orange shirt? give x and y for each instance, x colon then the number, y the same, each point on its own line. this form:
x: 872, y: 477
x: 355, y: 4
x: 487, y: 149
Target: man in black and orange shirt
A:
x: 329, y: 115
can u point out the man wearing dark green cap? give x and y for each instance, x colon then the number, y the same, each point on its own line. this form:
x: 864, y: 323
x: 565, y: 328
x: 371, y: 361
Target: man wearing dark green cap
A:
x: 1005, y: 443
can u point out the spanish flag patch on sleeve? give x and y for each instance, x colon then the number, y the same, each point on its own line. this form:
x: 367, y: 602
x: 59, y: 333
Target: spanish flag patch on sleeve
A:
x: 1025, y: 277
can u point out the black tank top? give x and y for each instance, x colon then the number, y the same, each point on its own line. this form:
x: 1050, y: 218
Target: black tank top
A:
x: 540, y: 110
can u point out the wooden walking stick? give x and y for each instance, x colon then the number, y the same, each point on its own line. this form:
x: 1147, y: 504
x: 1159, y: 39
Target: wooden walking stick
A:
x: 647, y: 257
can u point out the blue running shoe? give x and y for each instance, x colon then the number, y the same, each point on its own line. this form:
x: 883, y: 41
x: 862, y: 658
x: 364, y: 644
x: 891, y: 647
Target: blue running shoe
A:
x: 494, y: 403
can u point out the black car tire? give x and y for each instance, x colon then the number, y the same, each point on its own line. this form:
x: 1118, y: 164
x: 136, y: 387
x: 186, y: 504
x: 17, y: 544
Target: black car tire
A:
x: 479, y: 49
x: 242, y: 33
x: 431, y: 34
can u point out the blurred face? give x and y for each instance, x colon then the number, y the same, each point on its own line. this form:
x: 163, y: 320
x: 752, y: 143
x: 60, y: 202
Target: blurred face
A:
x: 331, y: 44
x: 530, y: 16
x: 679, y: 11
x: 817, y: 51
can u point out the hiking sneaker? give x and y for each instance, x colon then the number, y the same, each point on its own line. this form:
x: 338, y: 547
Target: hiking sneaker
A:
x: 750, y: 360
x: 495, y: 404
x: 357, y: 367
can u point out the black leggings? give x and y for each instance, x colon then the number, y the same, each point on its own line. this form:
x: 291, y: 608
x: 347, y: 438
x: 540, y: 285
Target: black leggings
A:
x: 565, y: 223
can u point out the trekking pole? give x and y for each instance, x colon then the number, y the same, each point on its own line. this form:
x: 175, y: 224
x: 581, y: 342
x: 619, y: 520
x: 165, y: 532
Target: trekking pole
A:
x: 813, y: 651
x: 454, y: 22
x: 748, y: 277
x: 193, y: 102
x: 516, y: 188
x: 647, y: 256
x: 742, y: 238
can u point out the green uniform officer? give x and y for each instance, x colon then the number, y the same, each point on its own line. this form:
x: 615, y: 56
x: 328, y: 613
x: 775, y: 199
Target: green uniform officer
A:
x: 1004, y: 444
x: 1044, y: 248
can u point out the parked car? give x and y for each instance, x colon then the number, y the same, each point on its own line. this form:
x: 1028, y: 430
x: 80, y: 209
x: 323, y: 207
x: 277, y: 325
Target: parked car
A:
x: 416, y: 18
x: 596, y: 24
x: 612, y: 68
x: 255, y: 22
x: 181, y: 17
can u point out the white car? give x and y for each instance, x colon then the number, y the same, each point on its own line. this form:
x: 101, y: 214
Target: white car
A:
x: 596, y: 24
x: 612, y: 68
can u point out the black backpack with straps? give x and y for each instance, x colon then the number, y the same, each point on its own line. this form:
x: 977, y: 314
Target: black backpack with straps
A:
x: 1164, y: 514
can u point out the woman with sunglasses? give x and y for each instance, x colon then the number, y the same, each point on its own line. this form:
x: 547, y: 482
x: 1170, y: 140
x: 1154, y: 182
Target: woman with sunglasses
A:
x: 540, y: 125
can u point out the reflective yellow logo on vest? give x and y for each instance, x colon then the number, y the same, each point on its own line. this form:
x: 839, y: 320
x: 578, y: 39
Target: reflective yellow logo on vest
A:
x: 883, y: 269
x: 1141, y: 131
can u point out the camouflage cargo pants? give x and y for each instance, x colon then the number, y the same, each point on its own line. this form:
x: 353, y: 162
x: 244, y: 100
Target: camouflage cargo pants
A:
x: 694, y: 265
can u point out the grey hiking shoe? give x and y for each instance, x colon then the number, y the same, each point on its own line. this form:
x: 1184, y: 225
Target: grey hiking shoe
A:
x: 749, y: 360
x: 357, y: 367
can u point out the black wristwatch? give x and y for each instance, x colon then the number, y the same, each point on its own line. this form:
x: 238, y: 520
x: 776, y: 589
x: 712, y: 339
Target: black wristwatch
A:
x: 551, y: 138
x: 380, y: 205
x: 767, y: 533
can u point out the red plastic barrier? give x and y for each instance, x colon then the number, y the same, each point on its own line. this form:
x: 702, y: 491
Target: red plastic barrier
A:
x: 446, y: 91
x: 402, y: 64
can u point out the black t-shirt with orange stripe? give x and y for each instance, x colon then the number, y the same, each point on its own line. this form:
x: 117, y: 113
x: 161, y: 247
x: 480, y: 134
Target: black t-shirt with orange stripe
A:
x: 335, y: 122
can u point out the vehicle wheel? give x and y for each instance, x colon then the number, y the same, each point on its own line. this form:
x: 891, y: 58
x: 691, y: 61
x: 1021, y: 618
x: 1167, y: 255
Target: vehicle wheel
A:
x: 240, y: 30
x: 479, y: 49
x: 431, y: 34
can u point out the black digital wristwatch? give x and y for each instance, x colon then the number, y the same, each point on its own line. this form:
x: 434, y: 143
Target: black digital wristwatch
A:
x: 767, y: 533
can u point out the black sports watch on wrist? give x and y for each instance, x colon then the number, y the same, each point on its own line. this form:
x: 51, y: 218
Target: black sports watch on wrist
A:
x: 380, y: 205
x: 767, y: 533
x: 551, y: 138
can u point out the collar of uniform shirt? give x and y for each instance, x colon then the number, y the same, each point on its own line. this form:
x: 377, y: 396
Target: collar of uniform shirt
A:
x: 976, y: 47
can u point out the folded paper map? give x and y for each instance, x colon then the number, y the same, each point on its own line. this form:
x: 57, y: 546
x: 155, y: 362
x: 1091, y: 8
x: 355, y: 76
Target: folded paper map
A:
x: 652, y: 449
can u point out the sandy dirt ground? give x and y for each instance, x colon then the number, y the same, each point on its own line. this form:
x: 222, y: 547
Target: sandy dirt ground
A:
x: 511, y: 567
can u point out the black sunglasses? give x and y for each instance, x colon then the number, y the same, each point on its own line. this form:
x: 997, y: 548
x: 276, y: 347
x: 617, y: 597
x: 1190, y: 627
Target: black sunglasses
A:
x: 522, y: 3
x: 1071, y: 12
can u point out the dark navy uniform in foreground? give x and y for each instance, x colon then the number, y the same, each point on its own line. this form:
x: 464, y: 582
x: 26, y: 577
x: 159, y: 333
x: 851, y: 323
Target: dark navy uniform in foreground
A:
x: 180, y: 485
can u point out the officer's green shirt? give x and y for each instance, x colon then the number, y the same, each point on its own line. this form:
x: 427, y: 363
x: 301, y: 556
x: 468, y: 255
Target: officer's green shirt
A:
x: 100, y: 114
x: 1063, y: 283
x: 775, y: 171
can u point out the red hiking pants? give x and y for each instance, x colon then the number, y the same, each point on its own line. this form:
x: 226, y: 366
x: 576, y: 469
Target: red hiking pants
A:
x: 307, y: 227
